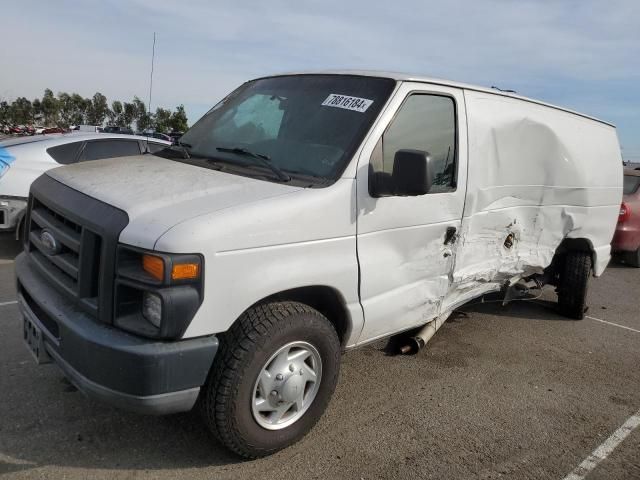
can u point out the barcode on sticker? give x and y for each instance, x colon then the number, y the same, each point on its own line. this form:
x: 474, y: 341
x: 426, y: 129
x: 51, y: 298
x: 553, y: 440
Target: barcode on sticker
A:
x: 347, y: 102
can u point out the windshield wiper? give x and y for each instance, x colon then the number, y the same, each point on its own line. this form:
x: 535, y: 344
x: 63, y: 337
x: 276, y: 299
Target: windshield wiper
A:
x: 184, y: 147
x: 262, y: 158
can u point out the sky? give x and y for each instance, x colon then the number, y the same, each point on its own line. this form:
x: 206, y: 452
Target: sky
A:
x: 580, y: 54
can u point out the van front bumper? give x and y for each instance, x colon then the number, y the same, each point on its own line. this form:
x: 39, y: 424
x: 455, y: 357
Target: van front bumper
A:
x: 105, y: 363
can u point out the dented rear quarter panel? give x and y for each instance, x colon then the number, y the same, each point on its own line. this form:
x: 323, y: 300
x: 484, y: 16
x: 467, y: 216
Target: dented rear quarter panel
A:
x: 541, y: 175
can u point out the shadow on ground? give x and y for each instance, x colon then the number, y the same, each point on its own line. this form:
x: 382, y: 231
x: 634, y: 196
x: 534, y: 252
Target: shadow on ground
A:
x: 533, y: 306
x: 9, y: 246
x: 99, y: 438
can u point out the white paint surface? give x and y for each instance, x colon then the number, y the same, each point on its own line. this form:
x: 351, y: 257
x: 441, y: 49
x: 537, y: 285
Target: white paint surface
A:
x: 2, y: 304
x: 605, y: 449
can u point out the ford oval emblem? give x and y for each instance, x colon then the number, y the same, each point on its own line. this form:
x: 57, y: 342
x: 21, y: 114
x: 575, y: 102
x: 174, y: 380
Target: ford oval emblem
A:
x: 50, y: 245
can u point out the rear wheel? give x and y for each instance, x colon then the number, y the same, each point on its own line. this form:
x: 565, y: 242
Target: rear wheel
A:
x: 574, y: 281
x: 272, y: 378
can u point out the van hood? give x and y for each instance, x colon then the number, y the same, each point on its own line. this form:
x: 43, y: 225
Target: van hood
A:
x: 157, y: 193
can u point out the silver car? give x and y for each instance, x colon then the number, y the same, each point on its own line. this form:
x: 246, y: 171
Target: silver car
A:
x: 24, y: 159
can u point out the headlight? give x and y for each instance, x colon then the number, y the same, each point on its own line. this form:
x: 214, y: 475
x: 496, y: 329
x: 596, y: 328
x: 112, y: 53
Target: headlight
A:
x: 157, y: 294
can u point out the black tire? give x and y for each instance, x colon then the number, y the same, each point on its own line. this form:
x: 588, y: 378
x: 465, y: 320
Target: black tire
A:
x: 633, y: 258
x: 244, y: 349
x: 574, y: 281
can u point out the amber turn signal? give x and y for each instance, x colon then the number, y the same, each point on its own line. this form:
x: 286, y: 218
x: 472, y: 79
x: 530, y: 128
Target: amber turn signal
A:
x: 184, y: 271
x: 154, y: 266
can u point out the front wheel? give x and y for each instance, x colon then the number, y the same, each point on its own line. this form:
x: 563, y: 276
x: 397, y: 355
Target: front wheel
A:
x: 272, y: 378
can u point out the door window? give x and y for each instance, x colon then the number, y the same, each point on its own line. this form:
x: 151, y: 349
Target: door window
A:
x: 66, y: 153
x: 100, y: 149
x: 426, y: 123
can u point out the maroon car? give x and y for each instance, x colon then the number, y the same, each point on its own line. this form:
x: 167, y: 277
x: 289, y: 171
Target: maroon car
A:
x: 47, y: 131
x: 626, y: 240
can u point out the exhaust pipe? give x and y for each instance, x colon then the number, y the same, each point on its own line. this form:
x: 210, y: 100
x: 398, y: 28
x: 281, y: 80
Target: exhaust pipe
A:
x: 417, y: 342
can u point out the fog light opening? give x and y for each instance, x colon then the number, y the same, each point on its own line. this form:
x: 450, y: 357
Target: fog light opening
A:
x: 152, y: 308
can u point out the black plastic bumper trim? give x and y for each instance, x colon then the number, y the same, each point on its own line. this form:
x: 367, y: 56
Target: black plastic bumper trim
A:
x: 161, y: 404
x: 125, y: 370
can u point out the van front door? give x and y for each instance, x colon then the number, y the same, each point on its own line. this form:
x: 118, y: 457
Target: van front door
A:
x: 406, y: 244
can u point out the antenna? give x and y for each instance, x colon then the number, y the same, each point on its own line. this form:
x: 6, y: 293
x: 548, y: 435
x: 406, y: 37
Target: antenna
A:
x: 153, y: 56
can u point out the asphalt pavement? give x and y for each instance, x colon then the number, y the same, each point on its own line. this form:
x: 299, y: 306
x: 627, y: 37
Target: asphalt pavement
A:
x: 500, y: 392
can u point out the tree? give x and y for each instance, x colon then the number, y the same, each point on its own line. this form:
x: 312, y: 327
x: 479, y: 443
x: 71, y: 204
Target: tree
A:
x: 72, y: 109
x: 162, y: 119
x: 50, y: 108
x: 66, y: 109
x: 143, y: 118
x: 128, y: 113
x: 115, y: 114
x: 38, y: 114
x: 5, y: 113
x: 21, y: 111
x: 99, y: 110
x: 178, y: 122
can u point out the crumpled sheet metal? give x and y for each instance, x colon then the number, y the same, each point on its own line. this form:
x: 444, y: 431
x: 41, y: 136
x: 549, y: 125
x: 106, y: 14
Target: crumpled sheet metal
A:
x: 537, y: 175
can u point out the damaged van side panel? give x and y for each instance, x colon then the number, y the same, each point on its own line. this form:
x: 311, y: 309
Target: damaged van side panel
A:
x: 537, y: 175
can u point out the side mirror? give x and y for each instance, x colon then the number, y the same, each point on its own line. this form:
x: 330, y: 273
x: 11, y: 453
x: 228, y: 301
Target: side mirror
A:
x: 412, y: 173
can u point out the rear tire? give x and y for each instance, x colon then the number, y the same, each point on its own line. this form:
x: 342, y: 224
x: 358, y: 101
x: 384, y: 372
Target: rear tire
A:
x: 251, y: 346
x: 573, y: 284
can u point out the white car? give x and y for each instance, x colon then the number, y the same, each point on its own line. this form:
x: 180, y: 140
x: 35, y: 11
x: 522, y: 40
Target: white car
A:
x: 24, y: 159
x: 303, y: 215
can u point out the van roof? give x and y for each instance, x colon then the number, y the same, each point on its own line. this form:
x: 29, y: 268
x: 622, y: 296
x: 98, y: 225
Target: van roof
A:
x: 407, y: 77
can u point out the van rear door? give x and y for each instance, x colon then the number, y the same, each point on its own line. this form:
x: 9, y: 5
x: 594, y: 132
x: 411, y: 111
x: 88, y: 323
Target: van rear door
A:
x: 406, y: 244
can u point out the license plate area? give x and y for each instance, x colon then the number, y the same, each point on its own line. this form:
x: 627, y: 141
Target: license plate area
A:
x: 34, y: 339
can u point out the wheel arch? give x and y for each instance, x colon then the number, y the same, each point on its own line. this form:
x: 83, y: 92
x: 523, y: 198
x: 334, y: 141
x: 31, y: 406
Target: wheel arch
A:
x: 327, y: 300
x: 571, y: 245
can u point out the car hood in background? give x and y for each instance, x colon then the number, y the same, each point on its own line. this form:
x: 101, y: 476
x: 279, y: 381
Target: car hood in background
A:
x: 157, y: 193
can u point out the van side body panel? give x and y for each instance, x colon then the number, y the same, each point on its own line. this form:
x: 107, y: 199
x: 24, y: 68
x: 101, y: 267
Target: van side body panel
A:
x: 537, y: 175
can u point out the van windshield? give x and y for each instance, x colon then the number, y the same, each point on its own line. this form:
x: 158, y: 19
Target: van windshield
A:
x: 307, y: 126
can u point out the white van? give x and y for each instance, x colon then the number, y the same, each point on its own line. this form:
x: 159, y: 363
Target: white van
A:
x: 303, y: 215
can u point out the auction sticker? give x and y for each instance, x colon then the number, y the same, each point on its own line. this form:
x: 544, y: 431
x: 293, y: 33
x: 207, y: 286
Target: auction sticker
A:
x: 346, y: 102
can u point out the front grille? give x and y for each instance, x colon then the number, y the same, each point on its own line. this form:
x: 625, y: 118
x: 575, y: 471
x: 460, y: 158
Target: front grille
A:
x: 86, y: 231
x: 75, y: 267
